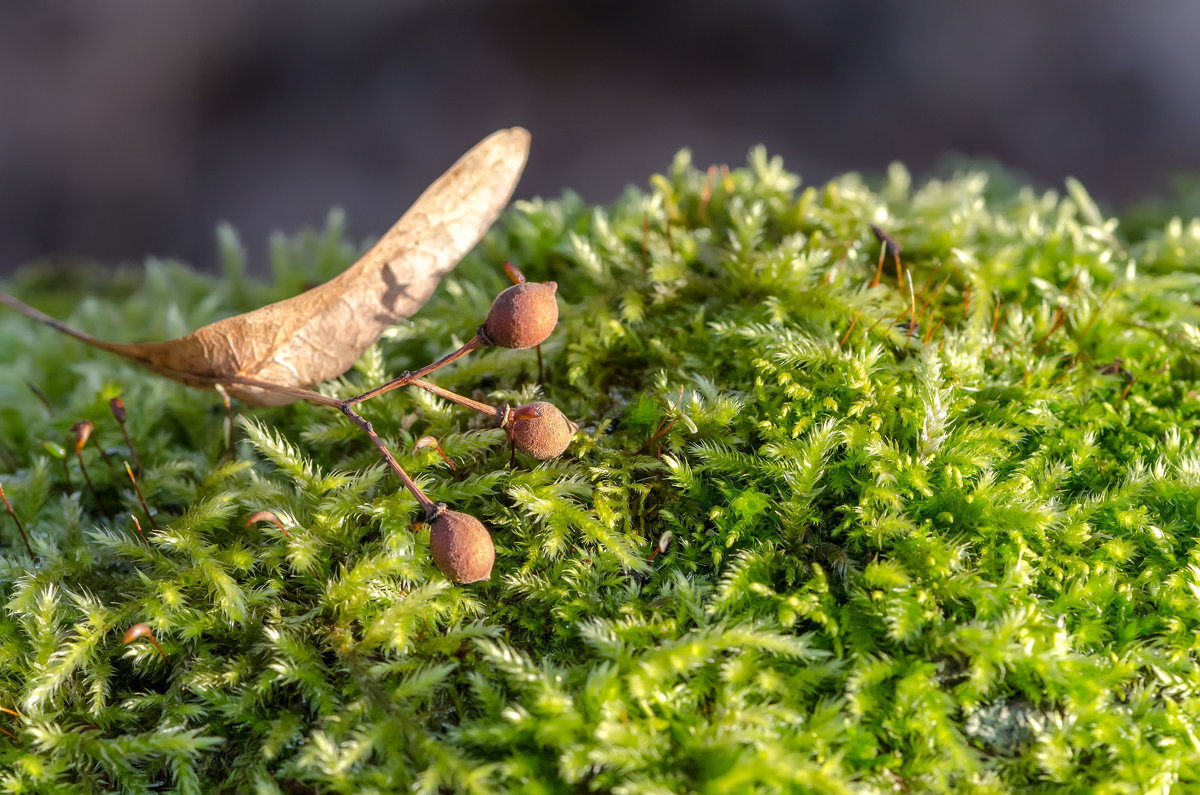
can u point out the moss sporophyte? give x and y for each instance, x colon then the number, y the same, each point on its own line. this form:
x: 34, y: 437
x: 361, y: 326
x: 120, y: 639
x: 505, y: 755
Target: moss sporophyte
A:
x: 816, y: 532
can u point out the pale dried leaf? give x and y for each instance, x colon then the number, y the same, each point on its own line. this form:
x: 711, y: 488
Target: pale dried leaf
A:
x: 318, y: 334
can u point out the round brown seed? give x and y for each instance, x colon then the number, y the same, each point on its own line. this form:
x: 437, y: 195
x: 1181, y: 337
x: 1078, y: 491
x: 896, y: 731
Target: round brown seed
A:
x: 522, y: 316
x: 461, y: 546
x: 545, y: 436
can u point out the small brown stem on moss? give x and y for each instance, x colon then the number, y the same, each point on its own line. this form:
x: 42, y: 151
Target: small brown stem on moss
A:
x: 103, y: 455
x: 88, y: 480
x: 37, y: 393
x: 889, y: 245
x: 431, y: 441
x: 933, y: 331
x: 85, y: 432
x: 912, y: 304
x: 143, y: 631
x: 873, y: 325
x: 1128, y: 386
x: 138, y: 526
x: 16, y: 715
x: 267, y: 516
x: 118, y: 410
x: 141, y: 499
x: 846, y: 336
x: 1060, y: 320
x: 514, y: 273
x: 929, y: 279
x: 663, y: 426
x: 20, y: 527
x: 939, y: 289
x: 879, y: 268
x: 82, y: 431
x: 1096, y: 315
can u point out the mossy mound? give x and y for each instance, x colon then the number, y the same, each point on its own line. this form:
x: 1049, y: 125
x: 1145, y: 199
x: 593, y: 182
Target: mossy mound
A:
x: 951, y: 555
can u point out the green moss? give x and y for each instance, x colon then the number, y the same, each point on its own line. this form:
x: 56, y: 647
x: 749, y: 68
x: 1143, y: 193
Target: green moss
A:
x: 958, y: 557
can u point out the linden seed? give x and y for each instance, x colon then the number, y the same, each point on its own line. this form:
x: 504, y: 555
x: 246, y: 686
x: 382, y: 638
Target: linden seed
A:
x: 522, y: 316
x: 462, y: 547
x: 544, y: 434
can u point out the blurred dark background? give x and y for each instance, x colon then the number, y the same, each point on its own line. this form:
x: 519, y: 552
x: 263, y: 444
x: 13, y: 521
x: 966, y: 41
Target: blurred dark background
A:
x: 129, y: 128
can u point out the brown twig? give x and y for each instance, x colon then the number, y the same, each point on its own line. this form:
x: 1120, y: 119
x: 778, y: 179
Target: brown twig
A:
x: 408, y: 377
x: 20, y: 527
x: 347, y: 408
x: 141, y: 499
x: 426, y: 504
x: 483, y: 408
